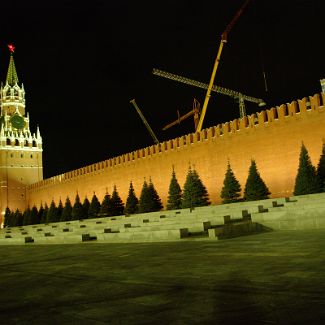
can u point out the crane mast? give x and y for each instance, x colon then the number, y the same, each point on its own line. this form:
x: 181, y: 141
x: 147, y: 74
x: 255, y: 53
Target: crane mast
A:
x: 144, y: 121
x: 224, y: 38
x: 221, y: 90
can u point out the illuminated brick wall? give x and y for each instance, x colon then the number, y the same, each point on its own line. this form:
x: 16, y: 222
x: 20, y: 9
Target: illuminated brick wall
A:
x: 272, y: 137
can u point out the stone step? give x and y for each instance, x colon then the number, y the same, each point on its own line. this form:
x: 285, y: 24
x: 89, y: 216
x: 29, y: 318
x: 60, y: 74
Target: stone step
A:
x: 192, y: 227
x: 144, y: 236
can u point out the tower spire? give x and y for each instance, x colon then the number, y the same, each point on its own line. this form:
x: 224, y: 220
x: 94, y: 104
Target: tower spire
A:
x: 12, y: 77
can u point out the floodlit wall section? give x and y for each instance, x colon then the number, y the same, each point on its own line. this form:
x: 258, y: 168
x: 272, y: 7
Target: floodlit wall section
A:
x: 272, y: 137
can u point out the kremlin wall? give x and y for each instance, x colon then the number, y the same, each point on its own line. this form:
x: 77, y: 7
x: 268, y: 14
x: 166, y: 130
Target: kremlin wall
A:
x: 272, y: 137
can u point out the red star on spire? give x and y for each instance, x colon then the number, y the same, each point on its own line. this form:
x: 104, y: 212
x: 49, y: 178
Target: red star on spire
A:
x: 11, y: 48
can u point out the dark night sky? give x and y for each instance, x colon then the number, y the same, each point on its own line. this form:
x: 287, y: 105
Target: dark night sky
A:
x: 81, y: 64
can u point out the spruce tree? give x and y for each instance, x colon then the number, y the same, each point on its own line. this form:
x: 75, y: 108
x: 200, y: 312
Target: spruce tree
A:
x: 105, y: 209
x: 67, y: 210
x: 52, y: 214
x: 117, y: 205
x: 132, y: 202
x: 44, y: 214
x: 255, y: 188
x: 15, y: 217
x: 27, y: 217
x: 231, y: 188
x: 155, y: 201
x: 195, y: 193
x: 11, y: 219
x: 40, y: 214
x: 77, y: 212
x: 145, y: 199
x: 7, y: 218
x: 34, y: 216
x: 174, y: 200
x: 18, y: 218
x: 321, y: 169
x: 59, y: 210
x: 94, y: 207
x: 307, y: 181
x: 85, y: 207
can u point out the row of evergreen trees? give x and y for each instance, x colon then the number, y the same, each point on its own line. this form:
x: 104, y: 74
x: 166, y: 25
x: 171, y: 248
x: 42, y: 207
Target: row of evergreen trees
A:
x: 195, y: 194
x: 308, y: 180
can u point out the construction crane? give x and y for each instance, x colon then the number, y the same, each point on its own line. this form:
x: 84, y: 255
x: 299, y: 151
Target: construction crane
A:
x: 221, y: 90
x: 144, y: 121
x: 195, y: 111
x: 224, y: 38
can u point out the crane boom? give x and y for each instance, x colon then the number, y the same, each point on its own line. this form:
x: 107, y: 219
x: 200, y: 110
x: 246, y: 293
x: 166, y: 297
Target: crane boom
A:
x: 217, y: 89
x: 144, y: 121
x: 224, y: 38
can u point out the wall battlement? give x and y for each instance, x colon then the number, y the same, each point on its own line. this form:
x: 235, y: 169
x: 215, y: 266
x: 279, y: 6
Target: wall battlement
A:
x: 262, y: 119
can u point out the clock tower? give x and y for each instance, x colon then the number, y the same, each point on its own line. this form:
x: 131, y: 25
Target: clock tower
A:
x: 20, y: 149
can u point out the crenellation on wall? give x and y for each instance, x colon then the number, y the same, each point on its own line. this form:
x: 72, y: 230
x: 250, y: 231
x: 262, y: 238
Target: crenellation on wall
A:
x: 293, y: 108
x: 262, y: 118
x: 323, y: 100
x: 315, y: 101
x: 225, y: 128
x: 282, y: 112
x: 270, y: 115
x: 302, y: 103
x: 252, y: 120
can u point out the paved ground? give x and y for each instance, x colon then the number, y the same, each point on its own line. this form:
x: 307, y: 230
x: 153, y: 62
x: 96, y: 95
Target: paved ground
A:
x: 270, y: 278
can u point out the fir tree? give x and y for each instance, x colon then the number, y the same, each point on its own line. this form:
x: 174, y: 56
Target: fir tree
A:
x: 59, y: 210
x: 307, y: 181
x: 145, y: 199
x: 321, y: 168
x: 40, y: 214
x: 94, y: 207
x: 85, y: 207
x: 255, y: 188
x: 77, y: 212
x: 34, y: 216
x: 67, y: 210
x: 27, y: 217
x: 105, y: 209
x: 117, y: 205
x: 231, y: 188
x: 7, y: 217
x: 52, y: 214
x: 44, y: 214
x: 15, y: 218
x: 132, y: 202
x: 155, y: 201
x: 11, y: 219
x: 195, y: 193
x: 149, y: 198
x: 174, y: 200
x: 18, y: 217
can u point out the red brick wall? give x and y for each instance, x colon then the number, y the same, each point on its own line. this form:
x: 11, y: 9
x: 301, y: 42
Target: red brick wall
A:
x: 272, y: 137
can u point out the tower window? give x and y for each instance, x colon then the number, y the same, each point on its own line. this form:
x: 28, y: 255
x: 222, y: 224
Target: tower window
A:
x: 21, y: 156
x: 11, y: 155
x: 34, y: 143
x: 31, y: 156
x: 8, y: 142
x: 16, y: 142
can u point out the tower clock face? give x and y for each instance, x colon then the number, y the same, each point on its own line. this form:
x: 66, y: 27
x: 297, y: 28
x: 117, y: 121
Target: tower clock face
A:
x: 17, y: 121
